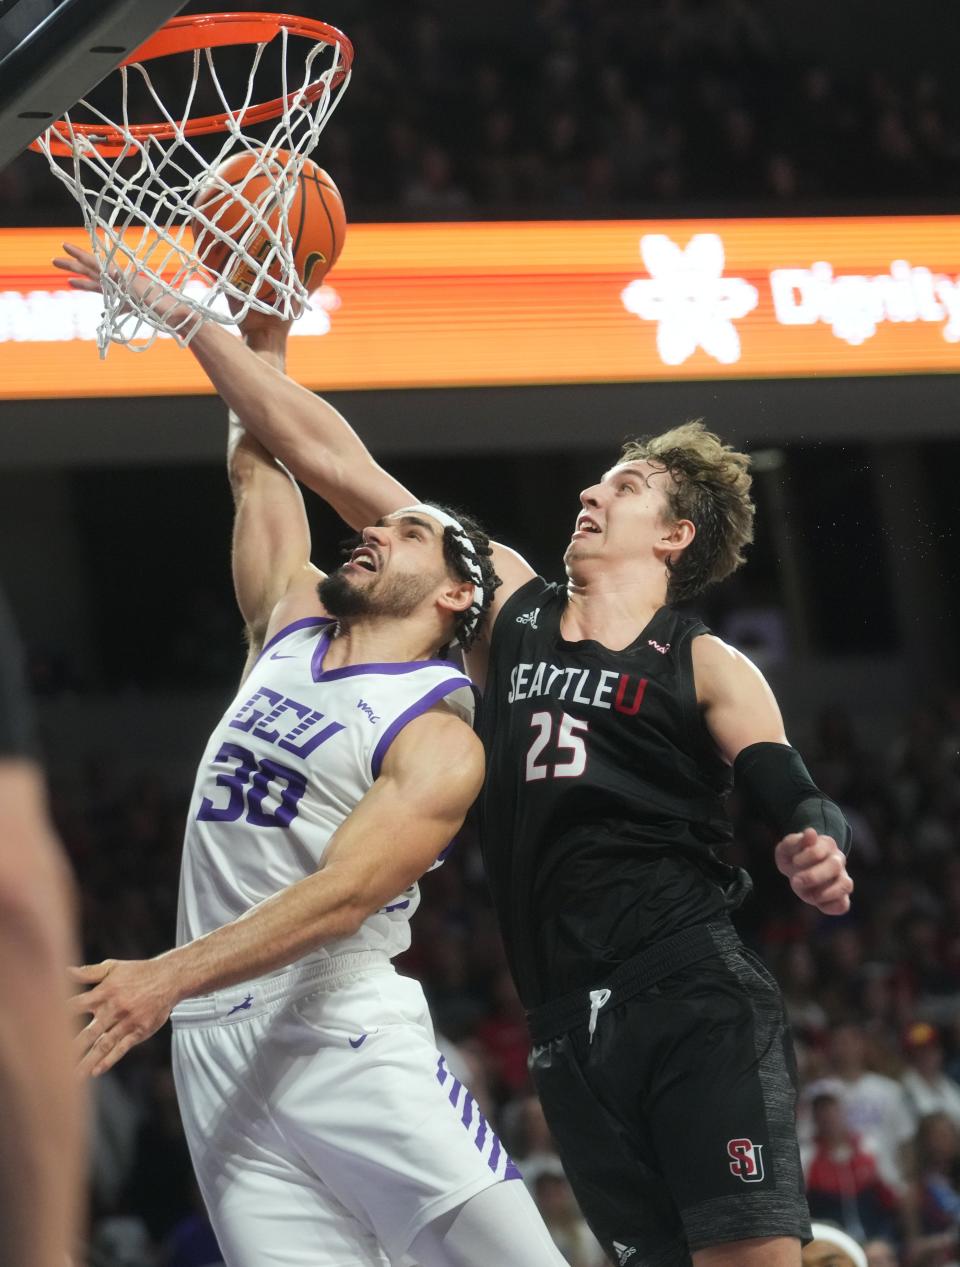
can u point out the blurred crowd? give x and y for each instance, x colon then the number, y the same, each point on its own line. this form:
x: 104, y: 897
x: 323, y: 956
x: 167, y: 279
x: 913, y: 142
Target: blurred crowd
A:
x: 874, y: 1000
x: 580, y: 107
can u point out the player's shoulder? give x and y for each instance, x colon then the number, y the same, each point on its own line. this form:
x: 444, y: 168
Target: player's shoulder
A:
x: 441, y: 742
x: 710, y: 651
x: 718, y: 666
x: 536, y: 590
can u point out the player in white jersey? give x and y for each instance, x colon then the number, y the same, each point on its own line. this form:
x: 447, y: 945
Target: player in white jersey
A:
x: 324, y: 1126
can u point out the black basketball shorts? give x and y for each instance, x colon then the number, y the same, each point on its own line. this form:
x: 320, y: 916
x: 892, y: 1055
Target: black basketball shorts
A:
x: 675, y: 1118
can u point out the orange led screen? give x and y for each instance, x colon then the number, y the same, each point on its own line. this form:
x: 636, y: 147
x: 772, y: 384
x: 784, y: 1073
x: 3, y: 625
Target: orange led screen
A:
x: 438, y: 305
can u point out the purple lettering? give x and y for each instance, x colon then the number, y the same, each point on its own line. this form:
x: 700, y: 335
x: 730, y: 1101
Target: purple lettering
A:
x: 262, y: 724
x: 272, y: 697
x: 309, y: 719
x: 262, y: 731
x: 235, y: 781
x: 294, y: 785
x: 304, y: 749
x: 259, y: 776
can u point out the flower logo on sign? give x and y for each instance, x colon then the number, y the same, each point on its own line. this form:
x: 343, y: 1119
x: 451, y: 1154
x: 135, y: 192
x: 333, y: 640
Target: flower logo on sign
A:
x: 688, y: 296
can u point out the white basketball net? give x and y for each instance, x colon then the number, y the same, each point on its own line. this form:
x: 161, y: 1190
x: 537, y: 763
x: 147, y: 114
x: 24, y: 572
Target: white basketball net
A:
x: 138, y: 206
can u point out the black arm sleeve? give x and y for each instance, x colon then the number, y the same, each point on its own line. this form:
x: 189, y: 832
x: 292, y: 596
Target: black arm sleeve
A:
x: 17, y: 734
x: 778, y: 785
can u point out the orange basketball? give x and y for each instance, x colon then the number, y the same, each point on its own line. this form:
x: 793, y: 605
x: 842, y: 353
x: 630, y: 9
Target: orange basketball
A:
x: 316, y: 218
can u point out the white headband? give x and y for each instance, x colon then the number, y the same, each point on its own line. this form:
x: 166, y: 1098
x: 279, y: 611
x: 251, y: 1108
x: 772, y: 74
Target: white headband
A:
x: 840, y: 1240
x: 468, y: 553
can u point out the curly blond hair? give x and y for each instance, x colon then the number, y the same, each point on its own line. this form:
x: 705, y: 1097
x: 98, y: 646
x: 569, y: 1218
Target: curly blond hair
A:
x: 710, y: 487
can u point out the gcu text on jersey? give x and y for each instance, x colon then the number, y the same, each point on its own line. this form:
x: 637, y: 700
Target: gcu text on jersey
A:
x: 296, y: 750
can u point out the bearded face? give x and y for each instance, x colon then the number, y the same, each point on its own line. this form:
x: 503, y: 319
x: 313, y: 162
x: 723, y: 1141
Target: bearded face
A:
x: 347, y: 596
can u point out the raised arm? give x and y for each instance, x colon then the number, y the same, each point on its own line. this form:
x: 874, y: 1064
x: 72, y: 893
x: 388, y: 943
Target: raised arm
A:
x: 313, y: 440
x: 305, y: 432
x: 743, y: 718
x: 273, y: 578
x: 316, y: 442
x: 397, y: 831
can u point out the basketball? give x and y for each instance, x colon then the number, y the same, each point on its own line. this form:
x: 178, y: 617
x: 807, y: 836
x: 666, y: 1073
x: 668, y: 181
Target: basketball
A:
x: 316, y: 219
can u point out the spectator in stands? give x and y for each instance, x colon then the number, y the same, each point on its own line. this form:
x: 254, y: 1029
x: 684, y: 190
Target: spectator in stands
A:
x: 874, y: 1103
x: 927, y: 1087
x: 933, y: 1203
x: 569, y: 104
x: 843, y: 1180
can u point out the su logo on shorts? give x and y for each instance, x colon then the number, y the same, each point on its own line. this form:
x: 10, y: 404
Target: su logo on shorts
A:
x: 747, y: 1163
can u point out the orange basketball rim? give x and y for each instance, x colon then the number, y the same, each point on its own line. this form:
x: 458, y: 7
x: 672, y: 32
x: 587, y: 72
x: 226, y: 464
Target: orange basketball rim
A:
x: 204, y: 31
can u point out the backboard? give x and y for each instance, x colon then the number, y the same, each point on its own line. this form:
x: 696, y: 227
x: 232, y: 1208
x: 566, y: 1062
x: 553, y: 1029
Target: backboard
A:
x: 53, y: 52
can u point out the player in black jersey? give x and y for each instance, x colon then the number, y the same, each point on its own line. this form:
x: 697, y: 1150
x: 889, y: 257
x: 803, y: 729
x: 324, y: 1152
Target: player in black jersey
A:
x: 614, y: 726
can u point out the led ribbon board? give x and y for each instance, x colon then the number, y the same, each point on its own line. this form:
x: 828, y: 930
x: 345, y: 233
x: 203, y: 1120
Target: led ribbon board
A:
x: 456, y: 305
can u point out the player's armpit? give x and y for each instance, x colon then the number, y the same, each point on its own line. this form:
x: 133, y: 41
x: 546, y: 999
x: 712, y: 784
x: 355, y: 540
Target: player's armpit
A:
x: 738, y: 706
x: 430, y: 777
x: 299, y: 600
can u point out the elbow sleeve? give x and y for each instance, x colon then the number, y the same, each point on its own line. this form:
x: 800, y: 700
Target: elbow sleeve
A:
x: 778, y: 785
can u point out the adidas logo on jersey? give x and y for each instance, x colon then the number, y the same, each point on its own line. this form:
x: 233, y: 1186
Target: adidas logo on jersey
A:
x: 365, y: 708
x: 529, y: 618
x: 623, y: 1252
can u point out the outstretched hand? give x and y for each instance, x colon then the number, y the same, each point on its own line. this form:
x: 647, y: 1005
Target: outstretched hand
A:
x: 128, y: 1001
x: 817, y: 870
x: 152, y: 301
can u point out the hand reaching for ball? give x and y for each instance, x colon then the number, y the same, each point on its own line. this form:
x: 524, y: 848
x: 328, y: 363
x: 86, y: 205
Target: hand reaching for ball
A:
x: 240, y: 198
x: 163, y: 308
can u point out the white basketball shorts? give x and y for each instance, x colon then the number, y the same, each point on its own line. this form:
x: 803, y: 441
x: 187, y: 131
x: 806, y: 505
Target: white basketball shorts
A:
x: 324, y: 1126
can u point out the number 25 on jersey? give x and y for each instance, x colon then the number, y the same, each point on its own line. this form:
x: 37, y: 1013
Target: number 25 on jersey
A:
x: 557, y: 749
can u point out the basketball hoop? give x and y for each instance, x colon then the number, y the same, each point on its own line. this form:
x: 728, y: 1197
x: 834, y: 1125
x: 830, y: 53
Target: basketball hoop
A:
x: 136, y: 182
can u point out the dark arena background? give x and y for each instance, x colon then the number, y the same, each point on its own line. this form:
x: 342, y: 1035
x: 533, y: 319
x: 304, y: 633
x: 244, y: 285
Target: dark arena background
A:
x: 524, y: 182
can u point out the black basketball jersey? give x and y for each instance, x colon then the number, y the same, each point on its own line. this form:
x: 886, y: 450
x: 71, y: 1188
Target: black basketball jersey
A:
x: 604, y: 799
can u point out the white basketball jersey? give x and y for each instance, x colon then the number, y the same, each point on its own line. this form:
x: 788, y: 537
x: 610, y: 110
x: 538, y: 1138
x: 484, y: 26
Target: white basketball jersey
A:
x: 293, y: 755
